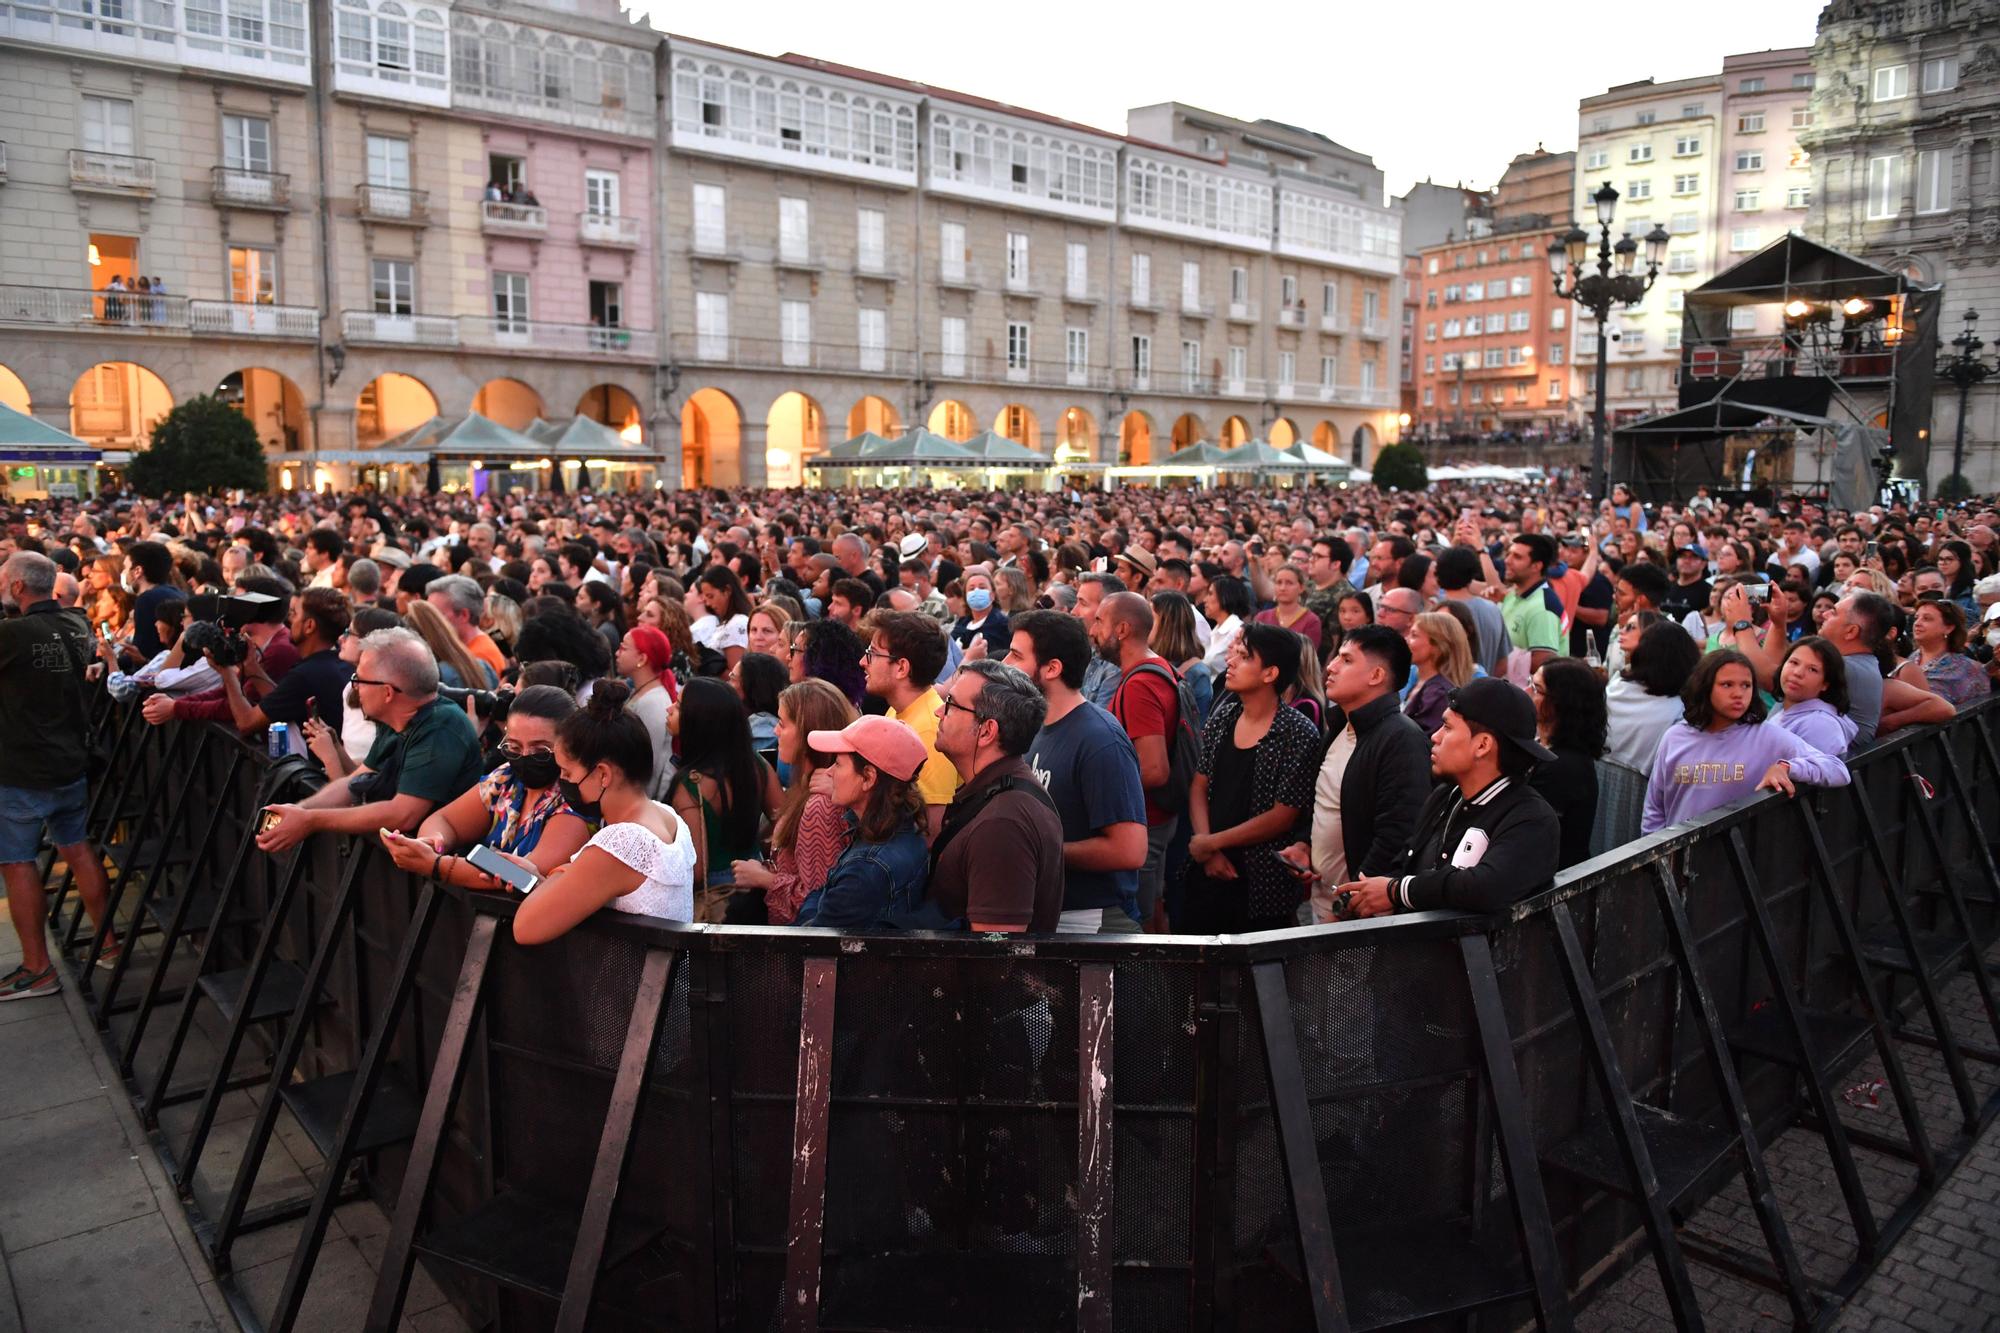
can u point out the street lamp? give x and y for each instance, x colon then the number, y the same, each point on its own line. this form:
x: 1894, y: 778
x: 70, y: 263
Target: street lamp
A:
x: 1965, y: 369
x: 1598, y: 292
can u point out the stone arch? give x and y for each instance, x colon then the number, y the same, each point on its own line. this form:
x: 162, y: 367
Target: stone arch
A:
x: 877, y: 414
x: 1076, y: 436
x: 509, y: 402
x: 711, y: 440
x: 615, y: 406
x: 1364, y: 444
x: 272, y: 402
x: 14, y: 393
x: 390, y: 404
x: 1234, y: 431
x: 794, y: 432
x: 1017, y: 421
x: 1283, y: 434
x: 1188, y: 429
x: 1326, y: 437
x: 115, y: 404
x: 953, y: 420
x: 1135, y: 439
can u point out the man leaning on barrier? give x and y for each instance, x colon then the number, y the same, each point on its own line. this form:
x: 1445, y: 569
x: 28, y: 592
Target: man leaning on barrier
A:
x: 425, y: 753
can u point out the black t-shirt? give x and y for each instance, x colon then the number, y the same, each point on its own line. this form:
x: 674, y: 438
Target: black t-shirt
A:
x: 43, y: 652
x: 145, y: 631
x: 321, y: 678
x: 1597, y: 594
x: 1685, y: 597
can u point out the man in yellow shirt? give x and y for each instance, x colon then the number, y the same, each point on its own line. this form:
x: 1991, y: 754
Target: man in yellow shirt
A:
x: 906, y: 650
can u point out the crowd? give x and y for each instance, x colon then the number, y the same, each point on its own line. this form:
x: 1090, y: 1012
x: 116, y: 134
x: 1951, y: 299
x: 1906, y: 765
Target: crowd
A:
x: 1198, y: 711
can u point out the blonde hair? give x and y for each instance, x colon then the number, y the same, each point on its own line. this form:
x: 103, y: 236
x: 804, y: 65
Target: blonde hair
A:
x: 503, y: 613
x: 1449, y: 646
x: 436, y: 631
x: 780, y: 617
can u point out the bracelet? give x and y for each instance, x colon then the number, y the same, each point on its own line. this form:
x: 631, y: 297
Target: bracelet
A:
x: 436, y: 859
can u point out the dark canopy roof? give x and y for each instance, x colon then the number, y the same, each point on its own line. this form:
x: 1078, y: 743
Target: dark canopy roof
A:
x: 1794, y: 265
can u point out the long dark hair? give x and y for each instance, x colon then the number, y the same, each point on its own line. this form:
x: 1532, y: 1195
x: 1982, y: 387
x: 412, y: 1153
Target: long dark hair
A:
x: 833, y: 653
x: 724, y: 578
x: 605, y: 731
x: 1697, y: 706
x: 1572, y: 707
x: 1967, y: 571
x: 715, y: 742
x: 1831, y: 665
x: 892, y: 803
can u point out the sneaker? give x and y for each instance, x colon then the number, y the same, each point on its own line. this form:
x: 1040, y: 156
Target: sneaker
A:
x: 21, y: 984
x: 109, y: 958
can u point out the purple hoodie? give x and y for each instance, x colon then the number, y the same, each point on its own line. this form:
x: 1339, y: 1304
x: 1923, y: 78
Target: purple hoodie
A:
x: 1815, y: 723
x: 1695, y: 771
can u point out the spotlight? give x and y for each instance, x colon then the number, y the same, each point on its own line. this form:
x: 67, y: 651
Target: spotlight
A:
x: 1856, y: 306
x: 1797, y: 309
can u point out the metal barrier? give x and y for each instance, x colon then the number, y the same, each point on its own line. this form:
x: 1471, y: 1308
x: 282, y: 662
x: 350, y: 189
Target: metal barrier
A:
x: 1341, y: 1127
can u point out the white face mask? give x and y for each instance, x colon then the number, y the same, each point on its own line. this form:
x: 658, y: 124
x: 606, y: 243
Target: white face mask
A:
x: 125, y: 581
x: 1993, y: 636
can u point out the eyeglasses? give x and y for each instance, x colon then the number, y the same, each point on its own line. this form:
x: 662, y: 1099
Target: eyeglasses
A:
x: 951, y: 703
x: 363, y: 680
x: 877, y: 652
x: 513, y: 751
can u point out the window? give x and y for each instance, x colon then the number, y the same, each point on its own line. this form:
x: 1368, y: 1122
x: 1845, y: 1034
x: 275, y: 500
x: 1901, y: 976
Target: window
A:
x: 1556, y: 353
x: 1639, y: 189
x: 1689, y: 183
x: 1516, y: 355
x: 1520, y: 393
x: 951, y: 345
x: 1750, y: 122
x: 1076, y: 269
x: 872, y: 337
x: 794, y: 229
x: 1639, y: 152
x: 1750, y: 160
x: 711, y: 325
x: 1517, y: 322
x: 710, y: 219
x: 1559, y: 317
x: 951, y: 251
x: 1329, y: 371
x: 1430, y: 365
x: 1798, y: 196
x: 1430, y: 396
x: 1190, y: 284
x: 1475, y: 291
x: 510, y: 303
x: 1933, y: 180
x: 1452, y: 293
x: 1676, y: 301
x: 107, y: 125
x: 1451, y: 328
x: 1239, y: 365
x: 1749, y: 201
x: 1673, y: 340
x: 1495, y: 357
x: 1017, y: 259
x: 1742, y: 318
x: 1496, y: 323
x: 1744, y: 238
x: 246, y: 143
x: 1802, y: 117
x: 388, y: 164
x: 1753, y: 85
x: 394, y: 284
x: 871, y: 229
x: 600, y: 193
x: 607, y: 305
x: 1520, y: 285
x: 1885, y: 187
x: 391, y: 43
x: 1802, y: 80
x: 1680, y: 261
x: 1555, y: 390
x: 253, y: 275
x: 1684, y: 224
x: 1645, y: 118
x: 1430, y: 331
x: 1288, y: 290
x: 1239, y: 285
x: 1329, y: 297
x: 1288, y: 364
x: 1892, y: 82
x: 1940, y: 75
x: 1142, y: 279
x: 1690, y: 110
x: 795, y: 333
x: 1632, y: 339
x: 1600, y: 125
x: 505, y: 170
x: 1142, y: 358
x: 1432, y: 267
x: 1018, y: 343
x: 1594, y: 160
x: 1453, y: 361
x: 1367, y: 379
x: 1076, y: 354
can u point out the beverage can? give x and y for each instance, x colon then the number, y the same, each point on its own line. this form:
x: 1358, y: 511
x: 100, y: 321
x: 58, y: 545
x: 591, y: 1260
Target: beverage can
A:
x: 280, y: 740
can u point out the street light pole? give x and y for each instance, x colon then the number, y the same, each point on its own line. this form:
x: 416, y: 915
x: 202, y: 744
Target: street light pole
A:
x: 1598, y: 292
x: 1965, y: 369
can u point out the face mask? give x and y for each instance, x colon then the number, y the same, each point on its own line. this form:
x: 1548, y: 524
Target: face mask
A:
x: 979, y: 598
x: 125, y: 581
x: 1993, y: 637
x: 572, y: 794
x: 536, y: 770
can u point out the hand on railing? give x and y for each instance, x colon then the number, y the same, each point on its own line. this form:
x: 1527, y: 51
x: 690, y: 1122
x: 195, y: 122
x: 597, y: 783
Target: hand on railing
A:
x: 1778, y: 777
x: 283, y: 826
x: 1367, y: 897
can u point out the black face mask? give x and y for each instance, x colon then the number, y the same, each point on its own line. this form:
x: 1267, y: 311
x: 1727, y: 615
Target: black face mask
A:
x: 535, y: 770
x: 572, y: 793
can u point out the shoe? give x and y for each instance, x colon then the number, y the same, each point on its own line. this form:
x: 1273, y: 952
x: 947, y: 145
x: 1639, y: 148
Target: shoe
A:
x: 21, y: 984
x: 109, y: 958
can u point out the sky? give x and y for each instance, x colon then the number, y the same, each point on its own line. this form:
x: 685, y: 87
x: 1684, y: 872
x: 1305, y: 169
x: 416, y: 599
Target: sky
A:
x: 1439, y: 89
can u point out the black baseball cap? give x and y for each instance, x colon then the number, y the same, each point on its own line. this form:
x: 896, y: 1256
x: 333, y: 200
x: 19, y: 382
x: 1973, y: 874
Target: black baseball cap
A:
x: 1503, y: 709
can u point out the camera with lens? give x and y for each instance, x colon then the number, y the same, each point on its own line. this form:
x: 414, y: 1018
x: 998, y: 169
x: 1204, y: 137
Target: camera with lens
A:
x: 492, y: 705
x: 215, y: 624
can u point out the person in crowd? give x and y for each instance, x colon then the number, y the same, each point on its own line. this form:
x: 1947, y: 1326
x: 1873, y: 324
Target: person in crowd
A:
x: 316, y: 684
x: 723, y: 791
x: 1720, y: 751
x: 758, y: 680
x: 45, y: 717
x: 769, y: 631
x: 1090, y: 768
x: 106, y: 603
x: 602, y: 609
x: 1350, y: 612
x: 1812, y: 691
x: 1100, y: 678
x: 517, y: 808
x: 458, y: 669
x: 1327, y: 566
x: 1458, y: 568
x: 1644, y: 698
x: 269, y: 654
x: 1940, y: 664
x: 982, y: 631
x: 169, y: 672
x: 879, y: 878
x: 722, y: 596
x: 1228, y: 608
x: 1308, y: 692
x: 1290, y: 611
x: 1373, y: 772
x: 1442, y: 660
x: 1174, y: 640
x: 830, y: 651
x: 1533, y: 626
x: 811, y: 828
x: 1860, y: 627
x: 644, y: 660
x: 426, y: 751
x: 1148, y: 704
x: 997, y: 861
x: 1572, y: 724
x: 905, y: 653
x: 339, y: 751
x: 1955, y: 563
x: 1254, y: 782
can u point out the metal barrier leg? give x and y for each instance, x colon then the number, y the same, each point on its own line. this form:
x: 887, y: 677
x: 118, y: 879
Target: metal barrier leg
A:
x: 392, y: 1279
x: 812, y: 1100
x: 1095, y: 1137
x: 614, y: 1148
x: 1517, y: 1135
x: 126, y: 856
x: 116, y: 777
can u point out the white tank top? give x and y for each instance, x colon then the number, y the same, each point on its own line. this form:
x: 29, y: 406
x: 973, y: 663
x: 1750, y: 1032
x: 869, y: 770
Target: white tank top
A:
x: 668, y: 888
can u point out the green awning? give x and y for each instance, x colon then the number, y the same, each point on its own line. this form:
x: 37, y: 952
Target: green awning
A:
x: 29, y: 440
x: 1259, y: 456
x: 919, y: 448
x: 997, y: 451
x: 471, y: 435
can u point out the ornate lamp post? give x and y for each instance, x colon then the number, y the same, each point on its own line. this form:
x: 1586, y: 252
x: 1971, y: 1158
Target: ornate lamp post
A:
x: 1965, y: 369
x: 1614, y: 283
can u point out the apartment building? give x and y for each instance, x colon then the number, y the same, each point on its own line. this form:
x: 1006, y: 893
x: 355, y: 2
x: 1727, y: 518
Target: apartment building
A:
x: 1902, y: 132
x: 1540, y: 184
x: 1766, y: 176
x: 1493, y: 346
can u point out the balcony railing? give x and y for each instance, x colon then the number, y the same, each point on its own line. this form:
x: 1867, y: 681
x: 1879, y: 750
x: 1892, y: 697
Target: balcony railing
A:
x: 542, y: 336
x: 1082, y: 294
x: 110, y: 173
x: 246, y: 320
x: 1146, y: 300
x: 60, y: 307
x: 505, y: 219
x: 1176, y: 382
x: 875, y: 266
x: 1333, y: 324
x: 1022, y: 284
x: 799, y: 258
x: 1193, y: 307
x: 969, y: 276
x: 714, y: 249
x: 1243, y: 312
x: 1374, y: 328
x: 603, y: 229
x: 792, y: 354
x: 236, y: 187
x: 997, y: 370
x: 1291, y: 317
x: 389, y: 203
x: 1241, y: 387
x: 365, y: 326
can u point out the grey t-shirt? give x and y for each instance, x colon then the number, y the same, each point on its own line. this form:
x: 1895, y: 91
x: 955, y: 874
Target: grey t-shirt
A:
x: 1494, y: 641
x: 1864, y: 696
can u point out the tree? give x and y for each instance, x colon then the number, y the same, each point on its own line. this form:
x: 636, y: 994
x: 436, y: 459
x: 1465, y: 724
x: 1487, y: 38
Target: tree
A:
x: 204, y: 445
x: 1400, y: 467
x: 1954, y: 487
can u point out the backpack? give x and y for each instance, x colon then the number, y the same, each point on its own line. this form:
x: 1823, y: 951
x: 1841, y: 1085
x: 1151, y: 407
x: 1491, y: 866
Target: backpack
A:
x: 1183, y: 741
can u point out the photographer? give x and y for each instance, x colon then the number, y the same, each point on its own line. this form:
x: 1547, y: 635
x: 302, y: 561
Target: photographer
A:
x: 262, y: 641
x: 312, y: 688
x: 425, y: 753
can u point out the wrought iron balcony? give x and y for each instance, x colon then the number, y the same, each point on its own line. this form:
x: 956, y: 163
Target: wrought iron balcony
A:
x: 1242, y: 312
x: 792, y: 354
x: 366, y: 326
x: 61, y: 307
x: 389, y: 203
x: 234, y: 187
x: 543, y: 336
x: 244, y: 319
x: 110, y: 173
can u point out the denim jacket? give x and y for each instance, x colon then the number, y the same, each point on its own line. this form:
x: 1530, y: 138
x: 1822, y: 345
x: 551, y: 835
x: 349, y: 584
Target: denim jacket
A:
x: 870, y: 882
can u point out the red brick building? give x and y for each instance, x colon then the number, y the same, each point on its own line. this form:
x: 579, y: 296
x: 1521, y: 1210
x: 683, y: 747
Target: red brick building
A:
x: 1491, y: 346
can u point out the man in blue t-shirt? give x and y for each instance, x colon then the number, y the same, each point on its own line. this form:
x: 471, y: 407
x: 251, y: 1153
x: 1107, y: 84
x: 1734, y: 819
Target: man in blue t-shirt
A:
x: 1085, y: 759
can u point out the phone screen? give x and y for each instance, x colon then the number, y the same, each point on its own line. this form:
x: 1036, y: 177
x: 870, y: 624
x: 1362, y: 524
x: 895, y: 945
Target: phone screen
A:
x: 485, y: 858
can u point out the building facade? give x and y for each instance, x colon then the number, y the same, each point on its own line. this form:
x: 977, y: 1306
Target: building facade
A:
x: 1905, y: 172
x: 1492, y: 351
x: 733, y: 260
x: 1765, y: 174
x: 1540, y: 184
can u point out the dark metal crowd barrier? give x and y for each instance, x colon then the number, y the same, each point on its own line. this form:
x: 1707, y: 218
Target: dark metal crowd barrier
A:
x: 1376, y: 1124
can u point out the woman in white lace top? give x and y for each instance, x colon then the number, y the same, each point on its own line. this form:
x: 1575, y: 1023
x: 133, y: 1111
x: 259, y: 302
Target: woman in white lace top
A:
x: 642, y: 859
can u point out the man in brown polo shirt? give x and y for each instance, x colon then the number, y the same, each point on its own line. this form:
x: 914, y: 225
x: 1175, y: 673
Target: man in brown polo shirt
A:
x: 997, y: 862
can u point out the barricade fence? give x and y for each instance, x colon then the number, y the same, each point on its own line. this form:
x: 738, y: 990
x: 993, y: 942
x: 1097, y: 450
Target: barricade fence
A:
x: 1379, y: 1123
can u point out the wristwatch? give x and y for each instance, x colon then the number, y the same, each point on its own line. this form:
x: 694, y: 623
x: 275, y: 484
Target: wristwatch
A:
x: 1742, y: 625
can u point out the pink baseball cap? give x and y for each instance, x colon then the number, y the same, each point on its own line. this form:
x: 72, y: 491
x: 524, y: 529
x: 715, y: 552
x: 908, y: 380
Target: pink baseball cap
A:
x: 883, y: 741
